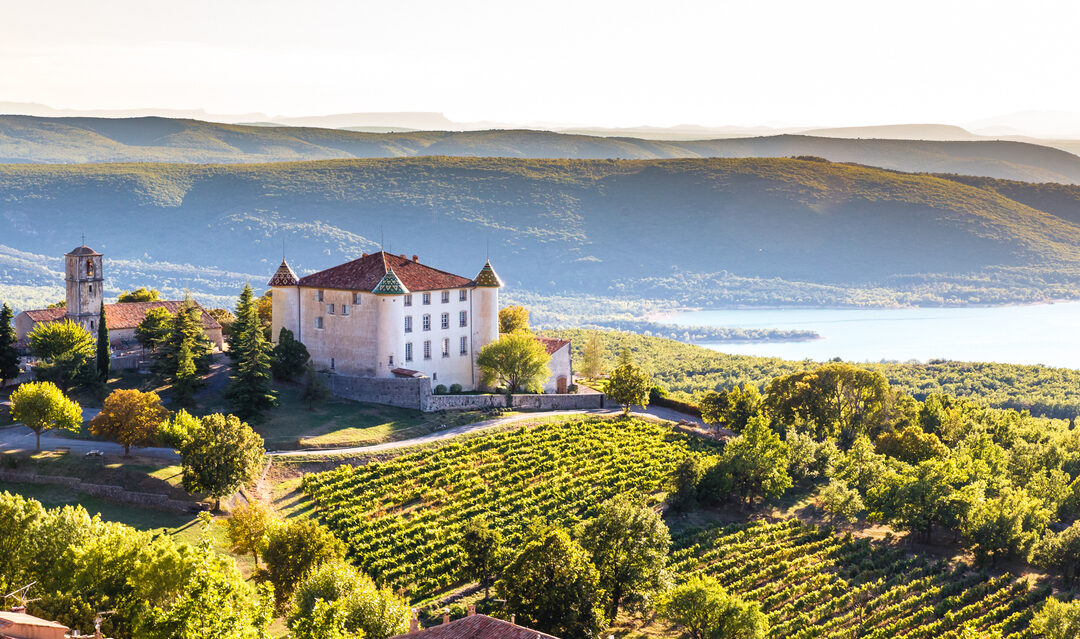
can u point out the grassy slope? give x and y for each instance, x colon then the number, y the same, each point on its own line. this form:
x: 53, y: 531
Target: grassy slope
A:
x: 699, y: 231
x: 689, y: 370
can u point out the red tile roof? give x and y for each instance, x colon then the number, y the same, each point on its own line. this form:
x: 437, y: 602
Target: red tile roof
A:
x: 121, y: 316
x: 365, y: 274
x: 477, y: 627
x: 551, y: 344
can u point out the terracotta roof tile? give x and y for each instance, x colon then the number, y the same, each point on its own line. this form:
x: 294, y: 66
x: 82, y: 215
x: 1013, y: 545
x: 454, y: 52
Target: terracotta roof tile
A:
x: 365, y: 274
x: 284, y: 276
x: 552, y: 344
x: 477, y: 627
x: 121, y: 316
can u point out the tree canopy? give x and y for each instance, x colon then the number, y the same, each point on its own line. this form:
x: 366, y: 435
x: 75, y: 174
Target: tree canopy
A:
x: 9, y: 356
x: 516, y: 361
x: 222, y: 455
x: 513, y: 319
x: 67, y: 352
x: 130, y: 417
x: 42, y: 406
x: 141, y: 294
x: 629, y: 385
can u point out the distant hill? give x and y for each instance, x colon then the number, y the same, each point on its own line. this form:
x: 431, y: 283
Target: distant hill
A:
x: 26, y: 139
x: 941, y: 132
x: 708, y: 232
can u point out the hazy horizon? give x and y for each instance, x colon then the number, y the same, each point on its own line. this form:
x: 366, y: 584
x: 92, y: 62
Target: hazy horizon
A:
x: 782, y: 64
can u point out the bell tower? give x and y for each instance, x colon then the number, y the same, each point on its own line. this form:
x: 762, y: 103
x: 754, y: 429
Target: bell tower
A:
x: 84, y: 280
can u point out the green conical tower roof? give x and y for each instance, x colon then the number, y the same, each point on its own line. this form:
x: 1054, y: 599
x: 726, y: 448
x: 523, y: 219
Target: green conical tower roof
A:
x: 390, y: 285
x: 487, y: 277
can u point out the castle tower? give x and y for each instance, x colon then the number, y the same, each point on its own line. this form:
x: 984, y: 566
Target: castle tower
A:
x: 485, y: 312
x: 390, y: 296
x: 84, y: 280
x: 285, y: 302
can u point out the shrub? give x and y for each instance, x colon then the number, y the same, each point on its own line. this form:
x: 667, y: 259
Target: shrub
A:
x: 440, y: 389
x: 455, y: 388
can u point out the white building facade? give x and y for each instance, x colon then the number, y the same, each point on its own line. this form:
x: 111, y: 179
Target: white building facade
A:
x: 386, y: 315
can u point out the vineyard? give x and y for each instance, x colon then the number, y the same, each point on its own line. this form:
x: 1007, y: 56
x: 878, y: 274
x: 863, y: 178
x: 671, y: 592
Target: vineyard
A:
x: 813, y: 583
x: 401, y: 518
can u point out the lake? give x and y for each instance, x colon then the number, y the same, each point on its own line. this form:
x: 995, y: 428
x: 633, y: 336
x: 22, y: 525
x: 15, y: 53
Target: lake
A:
x: 1040, y: 334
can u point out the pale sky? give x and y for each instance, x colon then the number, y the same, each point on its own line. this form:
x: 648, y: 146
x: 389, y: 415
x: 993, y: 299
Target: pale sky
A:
x: 820, y: 62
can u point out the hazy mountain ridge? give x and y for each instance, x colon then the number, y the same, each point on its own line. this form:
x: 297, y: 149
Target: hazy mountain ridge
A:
x: 693, y: 231
x: 153, y: 139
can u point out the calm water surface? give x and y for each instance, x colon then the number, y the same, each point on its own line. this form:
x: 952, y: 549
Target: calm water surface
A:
x: 1042, y: 334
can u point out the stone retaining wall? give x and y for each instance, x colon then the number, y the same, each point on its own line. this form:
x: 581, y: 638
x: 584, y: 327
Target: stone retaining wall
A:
x: 416, y: 394
x: 111, y: 493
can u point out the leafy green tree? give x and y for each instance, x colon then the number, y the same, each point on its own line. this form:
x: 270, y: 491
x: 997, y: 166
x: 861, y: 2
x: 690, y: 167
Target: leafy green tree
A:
x: 837, y: 399
x: 513, y: 319
x: 248, y: 528
x: 222, y: 455
x: 629, y: 386
x: 290, y: 356
x: 130, y: 417
x: 706, y: 611
x: 185, y: 380
x: 337, y: 596
x: 593, y: 357
x: 1058, y: 620
x: 66, y: 351
x: 714, y: 407
x: 249, y: 391
x: 809, y: 459
x: 294, y: 548
x: 104, y: 351
x: 315, y: 390
x: 19, y: 518
x: 743, y: 404
x: 552, y: 586
x: 42, y: 406
x: 757, y: 462
x: 484, y: 552
x: 9, y: 357
x: 1006, y: 526
x: 911, y: 445
x: 1061, y: 552
x: 516, y: 361
x: 841, y: 502
x: 861, y: 466
x: 179, y: 430
x: 141, y: 294
x: 628, y: 544
x: 153, y: 331
x: 920, y: 498
x: 685, y: 481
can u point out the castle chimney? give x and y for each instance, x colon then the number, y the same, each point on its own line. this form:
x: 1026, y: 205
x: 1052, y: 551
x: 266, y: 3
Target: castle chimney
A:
x: 472, y: 609
x: 415, y: 257
x: 402, y: 256
x: 512, y: 617
x: 363, y: 255
x: 446, y: 616
x: 18, y: 608
x: 414, y: 623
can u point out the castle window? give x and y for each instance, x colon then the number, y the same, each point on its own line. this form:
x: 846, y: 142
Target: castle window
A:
x: 91, y: 324
x: 464, y: 345
x: 463, y: 295
x: 408, y: 300
x: 332, y: 363
x: 344, y: 309
x: 463, y: 318
x: 356, y: 299
x: 427, y: 322
x: 329, y: 309
x: 408, y: 351
x: 427, y: 298
x: 427, y: 349
x: 318, y: 296
x: 90, y: 289
x: 446, y: 320
x: 408, y: 323
x: 390, y: 360
x: 446, y: 297
x: 446, y: 347
x: 318, y: 322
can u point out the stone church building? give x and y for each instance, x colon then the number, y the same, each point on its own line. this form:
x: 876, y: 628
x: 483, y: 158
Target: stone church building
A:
x: 84, y: 281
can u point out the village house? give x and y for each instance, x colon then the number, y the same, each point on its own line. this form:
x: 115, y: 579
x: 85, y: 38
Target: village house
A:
x: 387, y: 316
x: 472, y: 626
x: 84, y: 280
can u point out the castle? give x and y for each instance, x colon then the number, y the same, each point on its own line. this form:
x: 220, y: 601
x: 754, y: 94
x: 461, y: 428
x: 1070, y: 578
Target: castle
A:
x: 84, y: 280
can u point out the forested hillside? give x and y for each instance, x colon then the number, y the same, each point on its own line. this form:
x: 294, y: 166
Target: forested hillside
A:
x: 153, y: 139
x: 706, y: 232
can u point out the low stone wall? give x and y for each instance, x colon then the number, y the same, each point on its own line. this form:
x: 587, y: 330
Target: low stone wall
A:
x: 416, y: 394
x: 404, y: 393
x: 111, y: 493
x: 532, y: 402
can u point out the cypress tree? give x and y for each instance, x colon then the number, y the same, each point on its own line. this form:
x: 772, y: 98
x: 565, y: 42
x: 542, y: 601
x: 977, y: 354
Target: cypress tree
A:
x: 104, y: 353
x: 249, y: 391
x: 9, y: 357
